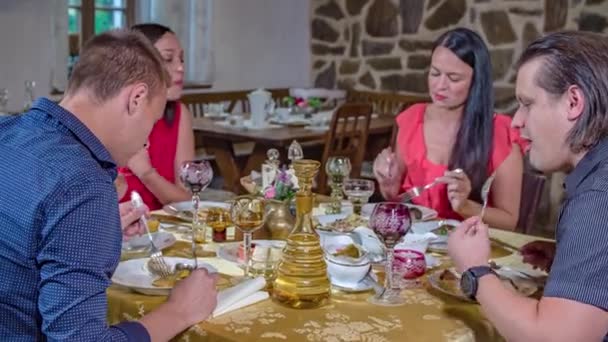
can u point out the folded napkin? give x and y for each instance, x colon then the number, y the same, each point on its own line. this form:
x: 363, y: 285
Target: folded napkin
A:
x: 416, y: 242
x: 244, y: 294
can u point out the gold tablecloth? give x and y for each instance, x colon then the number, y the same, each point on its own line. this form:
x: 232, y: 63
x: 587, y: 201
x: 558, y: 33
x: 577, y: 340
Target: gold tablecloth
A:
x: 427, y: 316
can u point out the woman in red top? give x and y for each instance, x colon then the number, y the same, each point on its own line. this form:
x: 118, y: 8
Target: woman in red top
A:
x: 458, y: 129
x: 153, y: 172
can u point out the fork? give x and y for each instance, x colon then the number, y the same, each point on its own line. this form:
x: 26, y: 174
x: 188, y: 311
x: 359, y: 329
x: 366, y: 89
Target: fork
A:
x: 157, y: 264
x: 485, y: 190
x: 417, y: 190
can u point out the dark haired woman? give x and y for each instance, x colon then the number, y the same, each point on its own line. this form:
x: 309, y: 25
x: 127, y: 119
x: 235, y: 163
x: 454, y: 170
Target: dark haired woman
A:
x: 153, y: 171
x: 458, y: 129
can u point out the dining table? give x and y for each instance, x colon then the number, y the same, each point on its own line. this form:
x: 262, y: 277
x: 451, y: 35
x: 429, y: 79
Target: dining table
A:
x: 428, y: 315
x: 218, y: 137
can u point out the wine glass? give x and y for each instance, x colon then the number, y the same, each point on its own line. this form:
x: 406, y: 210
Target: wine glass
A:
x: 358, y: 192
x: 390, y: 221
x: 196, y: 175
x: 409, y: 265
x: 3, y: 100
x: 337, y: 168
x: 248, y: 214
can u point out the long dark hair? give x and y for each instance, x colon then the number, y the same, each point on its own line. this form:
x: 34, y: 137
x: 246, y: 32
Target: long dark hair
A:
x: 473, y: 146
x: 154, y: 32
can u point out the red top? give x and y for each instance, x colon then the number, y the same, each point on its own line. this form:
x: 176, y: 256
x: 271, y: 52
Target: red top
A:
x: 421, y: 171
x: 162, y: 147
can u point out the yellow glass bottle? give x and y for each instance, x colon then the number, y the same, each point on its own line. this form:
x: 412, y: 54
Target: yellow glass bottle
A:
x: 302, y: 281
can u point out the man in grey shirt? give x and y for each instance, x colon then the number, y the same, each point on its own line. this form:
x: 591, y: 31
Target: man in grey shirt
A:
x: 562, y: 89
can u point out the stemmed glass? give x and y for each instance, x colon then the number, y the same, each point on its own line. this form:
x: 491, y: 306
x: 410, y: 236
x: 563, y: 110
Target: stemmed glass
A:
x: 295, y: 152
x: 196, y: 175
x: 390, y: 221
x: 3, y: 100
x: 358, y: 192
x: 248, y: 214
x: 337, y: 168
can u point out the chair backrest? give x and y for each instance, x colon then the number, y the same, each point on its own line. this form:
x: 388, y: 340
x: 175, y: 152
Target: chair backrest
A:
x: 347, y: 137
x: 384, y: 103
x: 232, y: 99
x: 531, y: 193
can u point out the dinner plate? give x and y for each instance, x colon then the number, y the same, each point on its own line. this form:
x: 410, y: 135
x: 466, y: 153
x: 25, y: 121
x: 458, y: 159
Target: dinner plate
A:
x: 161, y: 240
x: 230, y: 251
x: 134, y: 274
x: 183, y: 210
x: 361, y: 286
x: 441, y: 241
x: 426, y: 213
x: 452, y: 287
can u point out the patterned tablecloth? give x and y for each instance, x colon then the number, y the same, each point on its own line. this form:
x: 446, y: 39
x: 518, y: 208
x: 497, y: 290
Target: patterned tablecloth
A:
x: 427, y: 316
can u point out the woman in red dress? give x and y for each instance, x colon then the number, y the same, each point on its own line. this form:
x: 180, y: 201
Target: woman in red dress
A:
x: 458, y: 129
x: 153, y: 172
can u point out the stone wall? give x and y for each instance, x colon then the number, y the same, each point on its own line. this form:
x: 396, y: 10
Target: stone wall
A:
x: 384, y: 45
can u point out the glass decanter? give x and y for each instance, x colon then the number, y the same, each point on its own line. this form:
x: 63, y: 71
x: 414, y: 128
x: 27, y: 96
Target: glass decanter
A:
x: 337, y: 168
x: 302, y: 281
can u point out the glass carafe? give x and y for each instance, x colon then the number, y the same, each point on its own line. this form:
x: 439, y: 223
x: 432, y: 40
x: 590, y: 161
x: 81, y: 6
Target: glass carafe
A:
x: 302, y: 281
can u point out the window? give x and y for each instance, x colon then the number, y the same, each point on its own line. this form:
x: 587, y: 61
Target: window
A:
x: 89, y: 17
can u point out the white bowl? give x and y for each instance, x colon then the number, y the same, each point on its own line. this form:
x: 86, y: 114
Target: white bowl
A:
x: 344, y: 273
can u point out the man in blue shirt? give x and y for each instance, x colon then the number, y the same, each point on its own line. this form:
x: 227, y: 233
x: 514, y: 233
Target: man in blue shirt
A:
x: 562, y: 89
x: 60, y: 228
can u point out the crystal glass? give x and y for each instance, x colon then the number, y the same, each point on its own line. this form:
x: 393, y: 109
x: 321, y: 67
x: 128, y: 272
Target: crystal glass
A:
x: 358, y: 192
x: 390, y: 221
x: 29, y: 95
x: 408, y: 266
x: 248, y: 214
x: 3, y: 100
x: 295, y: 152
x: 196, y: 175
x: 337, y: 168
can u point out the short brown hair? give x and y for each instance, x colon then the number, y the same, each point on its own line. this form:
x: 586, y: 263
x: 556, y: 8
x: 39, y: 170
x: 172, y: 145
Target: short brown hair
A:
x: 575, y: 58
x: 115, y: 59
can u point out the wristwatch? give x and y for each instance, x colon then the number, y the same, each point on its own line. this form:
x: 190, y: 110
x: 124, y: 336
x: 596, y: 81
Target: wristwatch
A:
x: 469, y: 281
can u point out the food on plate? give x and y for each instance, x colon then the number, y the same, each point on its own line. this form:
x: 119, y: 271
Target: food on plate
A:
x: 170, y: 281
x: 415, y: 214
x: 448, y: 275
x: 344, y: 225
x: 349, y: 251
x: 449, y: 281
x: 444, y: 229
x: 153, y: 225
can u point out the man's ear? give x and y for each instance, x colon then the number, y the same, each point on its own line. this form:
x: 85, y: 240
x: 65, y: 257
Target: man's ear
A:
x: 137, y: 96
x: 575, y: 100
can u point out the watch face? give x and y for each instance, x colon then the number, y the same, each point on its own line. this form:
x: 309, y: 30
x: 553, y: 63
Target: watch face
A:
x: 468, y: 284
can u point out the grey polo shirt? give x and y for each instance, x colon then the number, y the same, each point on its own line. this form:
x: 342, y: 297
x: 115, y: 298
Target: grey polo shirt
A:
x: 580, y: 268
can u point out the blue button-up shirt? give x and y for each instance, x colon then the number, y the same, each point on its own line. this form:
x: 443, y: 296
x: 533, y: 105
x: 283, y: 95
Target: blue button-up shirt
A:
x: 60, y: 235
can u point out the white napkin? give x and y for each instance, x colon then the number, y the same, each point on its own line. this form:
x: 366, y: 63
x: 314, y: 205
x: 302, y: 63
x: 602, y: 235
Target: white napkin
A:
x: 241, y: 295
x: 417, y: 242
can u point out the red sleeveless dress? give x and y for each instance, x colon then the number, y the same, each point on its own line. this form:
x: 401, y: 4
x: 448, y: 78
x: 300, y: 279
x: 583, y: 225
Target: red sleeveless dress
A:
x: 421, y: 171
x: 162, y: 150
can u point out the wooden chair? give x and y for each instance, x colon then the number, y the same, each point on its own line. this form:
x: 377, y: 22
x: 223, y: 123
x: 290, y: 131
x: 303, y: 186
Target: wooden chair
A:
x: 532, y: 190
x: 384, y: 103
x: 347, y: 137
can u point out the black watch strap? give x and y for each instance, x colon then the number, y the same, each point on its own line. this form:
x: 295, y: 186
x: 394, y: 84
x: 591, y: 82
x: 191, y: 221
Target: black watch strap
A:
x: 480, y: 271
x: 469, y: 282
